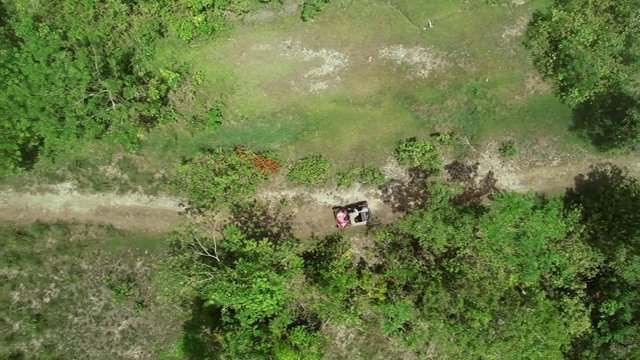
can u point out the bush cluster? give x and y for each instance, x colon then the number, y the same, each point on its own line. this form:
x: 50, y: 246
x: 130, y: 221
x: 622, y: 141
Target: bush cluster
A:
x: 310, y: 171
x: 419, y: 154
x: 362, y: 174
x: 221, y: 176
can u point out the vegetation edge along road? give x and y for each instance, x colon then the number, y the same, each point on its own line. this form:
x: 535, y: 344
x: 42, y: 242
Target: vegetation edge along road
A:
x: 158, y: 214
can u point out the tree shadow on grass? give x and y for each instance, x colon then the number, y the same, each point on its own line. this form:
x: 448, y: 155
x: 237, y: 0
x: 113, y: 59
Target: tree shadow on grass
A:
x: 407, y: 195
x: 412, y: 194
x: 199, y: 333
x: 259, y: 221
x: 610, y: 202
x: 475, y: 188
x: 610, y: 121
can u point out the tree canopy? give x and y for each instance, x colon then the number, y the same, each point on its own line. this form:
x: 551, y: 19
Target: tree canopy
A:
x: 590, y: 51
x: 523, y: 276
x: 586, y: 47
x: 72, y: 72
x: 75, y: 70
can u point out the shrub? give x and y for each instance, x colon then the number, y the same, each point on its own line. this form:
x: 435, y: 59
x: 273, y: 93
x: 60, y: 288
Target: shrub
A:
x: 509, y: 148
x: 443, y: 138
x: 347, y: 178
x: 418, y: 154
x: 310, y: 171
x: 372, y: 176
x: 222, y: 176
x: 364, y: 175
x: 311, y: 8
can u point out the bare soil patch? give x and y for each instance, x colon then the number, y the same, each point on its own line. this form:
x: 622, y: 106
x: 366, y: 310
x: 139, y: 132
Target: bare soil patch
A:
x: 515, y: 31
x: 506, y: 171
x: 303, y: 69
x: 422, y: 60
x: 319, y: 78
x: 311, y: 209
x: 306, y: 68
x: 542, y: 167
x: 534, y: 84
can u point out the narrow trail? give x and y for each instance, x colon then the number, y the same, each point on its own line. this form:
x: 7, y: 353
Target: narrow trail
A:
x: 556, y: 179
x: 134, y: 212
x: 549, y: 176
x: 312, y: 209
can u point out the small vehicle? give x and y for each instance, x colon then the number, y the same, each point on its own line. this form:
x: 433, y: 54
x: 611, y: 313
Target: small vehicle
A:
x: 352, y: 215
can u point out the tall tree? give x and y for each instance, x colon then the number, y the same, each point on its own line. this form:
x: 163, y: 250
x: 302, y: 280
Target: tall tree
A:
x: 586, y: 47
x: 609, y: 200
x: 507, y: 278
x: 245, y: 289
x: 73, y: 73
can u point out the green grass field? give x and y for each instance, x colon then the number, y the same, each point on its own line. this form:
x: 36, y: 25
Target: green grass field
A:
x: 480, y: 83
x: 348, y: 85
x: 66, y: 285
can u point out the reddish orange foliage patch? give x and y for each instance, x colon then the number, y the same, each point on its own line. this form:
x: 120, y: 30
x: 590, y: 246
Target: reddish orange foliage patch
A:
x: 259, y: 161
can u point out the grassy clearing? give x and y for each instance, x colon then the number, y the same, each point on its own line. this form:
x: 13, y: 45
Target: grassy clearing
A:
x: 327, y: 87
x: 65, y: 286
x: 344, y: 86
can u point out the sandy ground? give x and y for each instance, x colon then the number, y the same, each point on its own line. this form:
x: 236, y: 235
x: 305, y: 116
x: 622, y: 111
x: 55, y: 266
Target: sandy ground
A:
x: 541, y: 168
x: 135, y: 212
x: 312, y: 209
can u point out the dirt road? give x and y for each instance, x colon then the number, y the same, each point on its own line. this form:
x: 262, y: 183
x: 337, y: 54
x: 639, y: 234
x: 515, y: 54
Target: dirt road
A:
x: 134, y: 212
x: 139, y: 212
x: 546, y: 173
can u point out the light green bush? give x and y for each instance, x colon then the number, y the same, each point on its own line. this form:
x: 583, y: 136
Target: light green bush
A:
x: 419, y: 154
x: 310, y: 171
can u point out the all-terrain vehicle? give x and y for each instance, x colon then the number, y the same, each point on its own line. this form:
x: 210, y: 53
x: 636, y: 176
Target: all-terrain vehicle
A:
x: 353, y: 214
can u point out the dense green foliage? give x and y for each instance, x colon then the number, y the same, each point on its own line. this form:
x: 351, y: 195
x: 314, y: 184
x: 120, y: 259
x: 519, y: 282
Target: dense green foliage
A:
x: 419, y: 154
x: 219, y: 177
x: 74, y: 71
x: 489, y: 279
x: 522, y: 277
x: 245, y: 284
x: 590, y: 51
x: 310, y: 171
x: 71, y: 72
x: 311, y: 8
x: 586, y: 46
x: 610, y: 203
